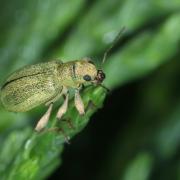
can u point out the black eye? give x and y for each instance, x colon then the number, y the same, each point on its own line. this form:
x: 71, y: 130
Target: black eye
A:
x: 87, y: 78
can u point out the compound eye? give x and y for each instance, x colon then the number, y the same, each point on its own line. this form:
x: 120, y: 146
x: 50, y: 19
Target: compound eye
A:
x: 87, y: 77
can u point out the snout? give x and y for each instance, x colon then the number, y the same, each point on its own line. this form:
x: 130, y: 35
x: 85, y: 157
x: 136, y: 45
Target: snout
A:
x: 100, y: 76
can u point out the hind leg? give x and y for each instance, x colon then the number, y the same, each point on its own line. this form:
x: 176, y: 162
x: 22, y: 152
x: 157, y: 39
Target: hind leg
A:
x: 44, y: 119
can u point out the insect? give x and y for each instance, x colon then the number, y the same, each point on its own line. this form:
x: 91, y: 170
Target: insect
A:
x: 45, y: 83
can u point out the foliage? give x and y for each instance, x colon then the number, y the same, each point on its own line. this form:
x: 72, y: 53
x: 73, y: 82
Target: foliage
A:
x: 33, y: 31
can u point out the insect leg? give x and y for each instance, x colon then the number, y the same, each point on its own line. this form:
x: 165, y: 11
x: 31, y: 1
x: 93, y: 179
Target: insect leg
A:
x: 78, y: 102
x: 69, y: 123
x: 62, y: 110
x: 44, y: 119
x: 58, y: 130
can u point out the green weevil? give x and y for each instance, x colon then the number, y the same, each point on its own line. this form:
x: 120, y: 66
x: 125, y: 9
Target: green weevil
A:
x: 45, y: 83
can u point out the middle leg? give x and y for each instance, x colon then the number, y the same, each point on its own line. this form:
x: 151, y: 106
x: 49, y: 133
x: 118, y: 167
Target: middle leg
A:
x: 62, y: 110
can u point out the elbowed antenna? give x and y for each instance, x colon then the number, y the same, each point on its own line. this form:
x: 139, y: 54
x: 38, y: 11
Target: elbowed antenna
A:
x: 105, y: 56
x: 112, y: 45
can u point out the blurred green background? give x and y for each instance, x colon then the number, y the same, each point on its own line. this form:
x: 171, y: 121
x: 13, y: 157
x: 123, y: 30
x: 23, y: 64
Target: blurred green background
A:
x: 136, y: 133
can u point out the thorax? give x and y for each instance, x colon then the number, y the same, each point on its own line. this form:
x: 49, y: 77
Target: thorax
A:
x: 66, y: 75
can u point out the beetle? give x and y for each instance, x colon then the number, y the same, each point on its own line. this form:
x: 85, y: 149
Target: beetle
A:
x: 45, y: 83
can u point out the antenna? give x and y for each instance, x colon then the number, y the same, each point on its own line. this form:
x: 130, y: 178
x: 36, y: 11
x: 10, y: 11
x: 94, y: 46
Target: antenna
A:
x: 112, y: 45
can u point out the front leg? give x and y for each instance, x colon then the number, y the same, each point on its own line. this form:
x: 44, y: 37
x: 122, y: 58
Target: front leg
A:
x: 79, y: 103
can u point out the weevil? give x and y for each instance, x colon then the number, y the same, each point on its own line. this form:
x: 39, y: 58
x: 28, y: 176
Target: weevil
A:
x: 45, y: 83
